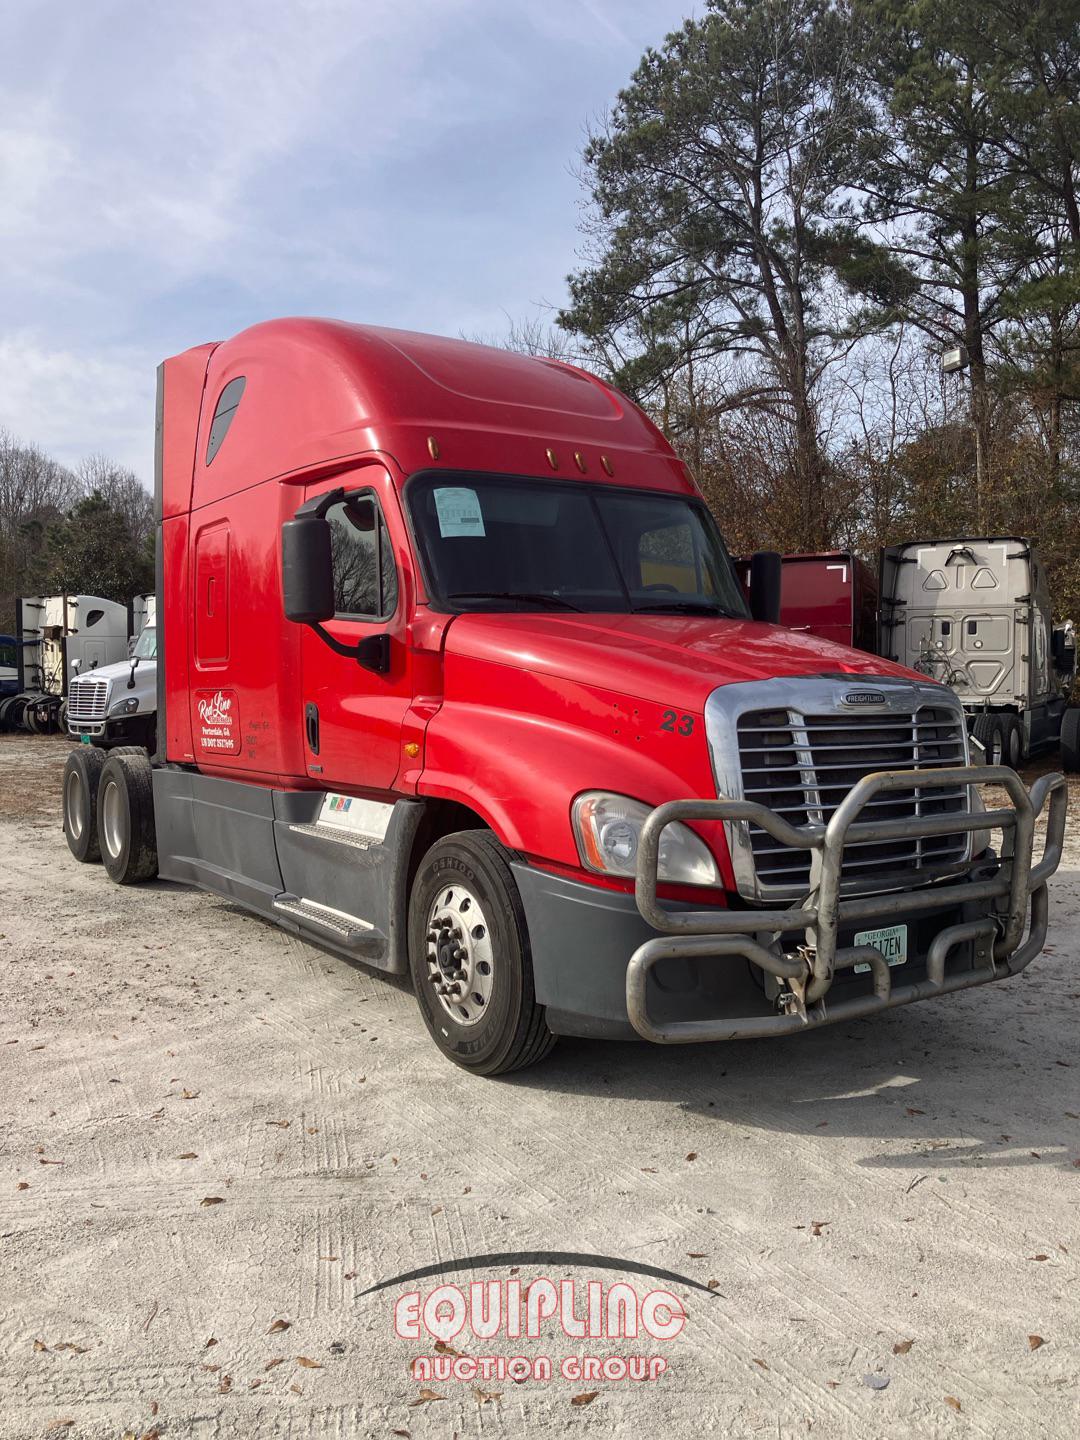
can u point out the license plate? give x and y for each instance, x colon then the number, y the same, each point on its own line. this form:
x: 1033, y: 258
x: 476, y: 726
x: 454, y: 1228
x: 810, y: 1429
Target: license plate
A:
x: 891, y: 941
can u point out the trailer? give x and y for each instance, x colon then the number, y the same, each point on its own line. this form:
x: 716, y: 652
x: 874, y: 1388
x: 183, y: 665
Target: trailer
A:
x: 456, y: 679
x: 831, y: 593
x: 974, y: 613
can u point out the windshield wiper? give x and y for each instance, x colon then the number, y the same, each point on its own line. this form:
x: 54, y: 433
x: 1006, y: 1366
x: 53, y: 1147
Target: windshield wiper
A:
x: 684, y: 607
x: 531, y: 597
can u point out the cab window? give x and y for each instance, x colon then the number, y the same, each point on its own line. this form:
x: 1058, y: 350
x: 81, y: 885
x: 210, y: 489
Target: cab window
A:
x: 365, y: 581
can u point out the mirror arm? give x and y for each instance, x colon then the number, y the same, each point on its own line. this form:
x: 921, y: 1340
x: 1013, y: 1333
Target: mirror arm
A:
x: 373, y: 652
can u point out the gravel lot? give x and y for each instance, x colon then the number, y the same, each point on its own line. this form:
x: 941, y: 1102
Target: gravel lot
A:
x: 892, y: 1199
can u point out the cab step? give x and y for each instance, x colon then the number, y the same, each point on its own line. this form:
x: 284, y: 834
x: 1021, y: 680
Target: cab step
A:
x: 350, y: 931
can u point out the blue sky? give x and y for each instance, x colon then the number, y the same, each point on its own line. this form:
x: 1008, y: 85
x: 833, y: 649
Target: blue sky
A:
x: 172, y: 173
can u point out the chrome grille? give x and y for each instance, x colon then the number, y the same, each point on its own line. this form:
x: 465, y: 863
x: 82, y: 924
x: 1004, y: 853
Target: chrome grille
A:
x: 802, y: 764
x: 88, y: 700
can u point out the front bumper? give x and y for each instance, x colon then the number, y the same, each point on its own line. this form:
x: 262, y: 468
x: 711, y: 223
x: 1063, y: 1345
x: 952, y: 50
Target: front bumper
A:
x: 611, y: 965
x: 998, y: 916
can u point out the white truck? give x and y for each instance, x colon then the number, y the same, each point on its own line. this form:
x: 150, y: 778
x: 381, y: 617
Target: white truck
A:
x: 117, y: 704
x: 57, y: 636
x: 975, y: 614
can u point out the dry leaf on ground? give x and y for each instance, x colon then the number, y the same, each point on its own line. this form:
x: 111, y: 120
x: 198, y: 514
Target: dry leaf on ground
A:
x: 425, y: 1397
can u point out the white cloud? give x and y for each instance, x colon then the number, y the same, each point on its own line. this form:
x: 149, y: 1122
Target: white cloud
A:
x: 169, y: 174
x: 81, y: 401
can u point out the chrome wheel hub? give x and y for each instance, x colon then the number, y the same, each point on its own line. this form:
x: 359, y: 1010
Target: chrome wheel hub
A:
x: 76, y: 810
x: 459, y: 954
x: 112, y: 823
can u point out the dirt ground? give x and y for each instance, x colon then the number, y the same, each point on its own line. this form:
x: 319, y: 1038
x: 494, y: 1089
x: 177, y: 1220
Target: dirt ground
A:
x: 889, y: 1201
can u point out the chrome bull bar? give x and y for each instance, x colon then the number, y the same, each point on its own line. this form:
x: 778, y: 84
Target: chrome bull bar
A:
x: 1015, y: 898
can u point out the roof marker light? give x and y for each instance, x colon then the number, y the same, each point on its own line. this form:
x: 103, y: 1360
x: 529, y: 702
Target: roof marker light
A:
x: 433, y: 447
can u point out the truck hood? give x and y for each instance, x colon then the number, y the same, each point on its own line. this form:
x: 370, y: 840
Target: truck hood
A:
x: 670, y: 658
x: 117, y: 674
x: 119, y: 670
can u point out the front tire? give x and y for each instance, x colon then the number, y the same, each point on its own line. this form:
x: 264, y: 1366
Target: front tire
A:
x: 126, y: 833
x: 82, y: 776
x: 470, y: 958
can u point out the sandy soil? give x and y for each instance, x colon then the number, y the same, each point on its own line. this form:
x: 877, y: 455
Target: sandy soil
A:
x: 895, y: 1199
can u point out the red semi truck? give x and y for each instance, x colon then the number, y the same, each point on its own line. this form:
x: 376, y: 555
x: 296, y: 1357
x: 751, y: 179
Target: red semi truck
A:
x: 456, y: 678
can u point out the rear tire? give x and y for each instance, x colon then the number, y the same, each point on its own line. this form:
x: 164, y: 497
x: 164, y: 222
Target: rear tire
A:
x: 126, y: 833
x: 987, y: 730
x: 494, y: 1025
x: 1012, y: 741
x: 1070, y: 741
x: 82, y: 775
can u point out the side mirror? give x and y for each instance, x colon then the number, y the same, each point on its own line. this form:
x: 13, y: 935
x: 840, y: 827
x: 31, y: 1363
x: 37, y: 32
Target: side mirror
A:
x: 307, y: 578
x: 307, y: 582
x: 765, y: 568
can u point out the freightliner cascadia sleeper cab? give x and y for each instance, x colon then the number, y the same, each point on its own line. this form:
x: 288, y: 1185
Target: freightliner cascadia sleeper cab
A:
x: 456, y: 677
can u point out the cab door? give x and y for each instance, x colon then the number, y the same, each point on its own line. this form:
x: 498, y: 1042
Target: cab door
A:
x: 351, y: 716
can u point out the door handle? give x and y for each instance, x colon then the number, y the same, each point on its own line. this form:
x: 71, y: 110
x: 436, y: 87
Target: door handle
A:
x: 311, y: 726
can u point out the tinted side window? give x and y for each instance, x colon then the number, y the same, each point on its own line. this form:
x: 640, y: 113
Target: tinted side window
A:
x: 365, y: 581
x: 227, y: 404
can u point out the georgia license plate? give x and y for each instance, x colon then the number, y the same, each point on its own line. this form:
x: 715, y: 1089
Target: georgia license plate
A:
x: 891, y: 941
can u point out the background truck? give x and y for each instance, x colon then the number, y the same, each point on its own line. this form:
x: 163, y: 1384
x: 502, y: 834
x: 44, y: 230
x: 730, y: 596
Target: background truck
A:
x: 9, y: 666
x: 975, y: 614
x: 117, y: 704
x: 59, y: 636
x: 832, y: 594
x: 455, y: 677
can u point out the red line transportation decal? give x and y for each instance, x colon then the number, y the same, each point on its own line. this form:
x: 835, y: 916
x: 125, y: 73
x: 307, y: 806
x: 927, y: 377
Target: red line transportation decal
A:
x: 218, y: 721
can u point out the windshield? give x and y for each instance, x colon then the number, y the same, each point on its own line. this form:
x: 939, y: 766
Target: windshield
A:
x: 492, y: 543
x: 146, y: 646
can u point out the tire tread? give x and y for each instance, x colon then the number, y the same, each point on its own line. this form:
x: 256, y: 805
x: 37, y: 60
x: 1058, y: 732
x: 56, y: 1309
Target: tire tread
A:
x: 532, y: 1040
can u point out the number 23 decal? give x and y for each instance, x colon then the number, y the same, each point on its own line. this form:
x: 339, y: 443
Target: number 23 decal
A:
x: 676, y: 723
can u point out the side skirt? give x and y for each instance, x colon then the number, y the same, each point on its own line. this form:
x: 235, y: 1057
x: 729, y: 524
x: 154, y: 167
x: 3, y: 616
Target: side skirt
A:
x: 286, y: 855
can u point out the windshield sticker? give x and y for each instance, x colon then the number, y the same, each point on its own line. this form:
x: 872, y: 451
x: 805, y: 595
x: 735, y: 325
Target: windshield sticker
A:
x: 459, y: 512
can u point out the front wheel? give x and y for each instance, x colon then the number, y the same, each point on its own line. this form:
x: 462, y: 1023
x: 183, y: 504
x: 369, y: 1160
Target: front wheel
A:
x: 470, y: 959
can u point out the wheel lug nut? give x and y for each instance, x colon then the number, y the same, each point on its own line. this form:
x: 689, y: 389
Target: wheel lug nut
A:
x: 459, y: 974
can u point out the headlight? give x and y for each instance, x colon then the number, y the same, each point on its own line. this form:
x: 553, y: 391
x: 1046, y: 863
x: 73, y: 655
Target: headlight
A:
x: 608, y: 831
x: 125, y: 707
